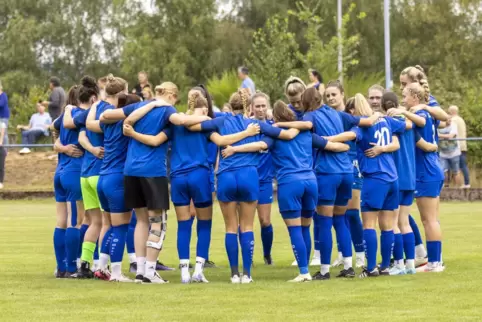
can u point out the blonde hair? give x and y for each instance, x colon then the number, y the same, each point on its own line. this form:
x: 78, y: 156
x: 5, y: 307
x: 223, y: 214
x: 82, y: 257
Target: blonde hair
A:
x: 414, y: 74
x: 196, y: 100
x: 294, y: 86
x: 114, y: 85
x: 377, y: 87
x: 167, y: 88
x: 148, y: 90
x: 360, y: 105
x: 417, y: 90
x: 239, y: 101
x: 262, y: 95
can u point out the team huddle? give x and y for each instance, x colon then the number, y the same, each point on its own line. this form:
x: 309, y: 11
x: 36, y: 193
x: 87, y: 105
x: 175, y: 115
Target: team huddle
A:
x: 330, y: 159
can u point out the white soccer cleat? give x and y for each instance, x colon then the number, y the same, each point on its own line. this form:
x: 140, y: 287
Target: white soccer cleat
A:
x: 156, y: 279
x: 338, y: 262
x: 235, y: 279
x: 396, y: 270
x: 246, y: 279
x: 199, y: 278
x: 410, y: 271
x: 121, y: 278
x: 24, y: 151
x: 301, y: 278
x: 431, y: 268
x: 185, y: 278
x: 315, y: 261
x: 360, y: 261
x: 295, y: 263
x: 421, y: 261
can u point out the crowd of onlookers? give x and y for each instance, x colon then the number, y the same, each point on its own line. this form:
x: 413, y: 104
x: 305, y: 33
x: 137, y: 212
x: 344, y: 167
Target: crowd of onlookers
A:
x: 453, y: 153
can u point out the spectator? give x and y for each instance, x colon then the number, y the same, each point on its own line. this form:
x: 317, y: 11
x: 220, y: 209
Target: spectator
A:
x: 56, y: 100
x: 375, y: 94
x: 450, y: 154
x: 3, y: 150
x: 147, y: 93
x: 247, y: 82
x: 462, y: 129
x: 4, y: 112
x: 316, y: 81
x: 143, y: 83
x: 38, y: 126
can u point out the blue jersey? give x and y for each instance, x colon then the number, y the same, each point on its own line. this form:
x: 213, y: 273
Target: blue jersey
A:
x: 427, y: 163
x: 405, y: 159
x: 70, y: 136
x: 57, y: 125
x: 189, y: 150
x: 115, y: 147
x: 234, y: 124
x: 382, y: 166
x: 212, y: 154
x: 299, y: 114
x: 432, y: 101
x: 328, y: 122
x: 265, y: 165
x: 144, y: 160
x: 292, y: 159
x: 91, y: 164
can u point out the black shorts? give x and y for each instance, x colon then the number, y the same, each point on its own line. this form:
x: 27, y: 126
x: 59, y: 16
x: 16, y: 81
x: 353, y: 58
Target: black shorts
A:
x: 140, y: 192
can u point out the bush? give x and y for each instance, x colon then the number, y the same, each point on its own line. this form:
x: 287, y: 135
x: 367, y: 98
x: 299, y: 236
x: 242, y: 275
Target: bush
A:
x: 222, y: 87
x: 23, y: 106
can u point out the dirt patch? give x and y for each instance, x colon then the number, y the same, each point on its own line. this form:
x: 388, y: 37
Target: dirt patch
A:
x: 34, y: 171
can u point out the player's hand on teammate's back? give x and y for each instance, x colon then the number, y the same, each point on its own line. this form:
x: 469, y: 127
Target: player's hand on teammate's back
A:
x: 73, y: 151
x: 253, y: 129
x: 227, y: 151
x: 127, y: 129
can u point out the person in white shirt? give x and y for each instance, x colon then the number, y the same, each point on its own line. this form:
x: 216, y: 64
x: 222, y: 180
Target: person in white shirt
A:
x: 462, y: 134
x: 38, y: 126
x: 450, y: 154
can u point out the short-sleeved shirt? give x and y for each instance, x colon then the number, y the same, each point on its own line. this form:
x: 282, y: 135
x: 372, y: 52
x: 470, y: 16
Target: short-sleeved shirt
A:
x: 449, y: 149
x: 41, y: 122
x: 248, y: 83
x: 462, y: 132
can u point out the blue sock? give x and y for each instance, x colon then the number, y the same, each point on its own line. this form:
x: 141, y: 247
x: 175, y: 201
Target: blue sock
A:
x: 119, y: 235
x: 432, y: 251
x: 232, y: 249
x: 356, y: 229
x: 59, y: 248
x: 316, y: 231
x: 184, y: 229
x: 342, y: 235
x: 299, y: 248
x: 326, y: 240
x: 386, y: 244
x: 439, y: 251
x: 83, y: 229
x: 398, y: 247
x: 106, y: 241
x: 130, y: 237
x: 416, y: 231
x: 203, y: 238
x: 371, y: 245
x: 72, y: 241
x: 267, y: 239
x: 96, y: 252
x: 247, y: 248
x: 409, y: 245
x: 305, y: 230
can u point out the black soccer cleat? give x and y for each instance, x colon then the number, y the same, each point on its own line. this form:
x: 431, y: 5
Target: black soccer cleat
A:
x: 209, y: 264
x: 366, y: 273
x: 84, y: 271
x: 60, y: 274
x: 268, y: 260
x: 384, y: 271
x: 320, y: 277
x: 347, y: 273
x: 133, y: 267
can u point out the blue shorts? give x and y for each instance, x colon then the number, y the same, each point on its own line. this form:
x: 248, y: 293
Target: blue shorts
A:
x: 334, y: 189
x: 428, y: 189
x: 241, y: 185
x: 111, y: 193
x: 405, y: 197
x: 357, y: 177
x: 379, y: 195
x: 300, y: 196
x: 194, y: 185
x: 265, y: 193
x: 211, y: 180
x: 70, y: 181
x: 452, y: 164
x: 60, y: 193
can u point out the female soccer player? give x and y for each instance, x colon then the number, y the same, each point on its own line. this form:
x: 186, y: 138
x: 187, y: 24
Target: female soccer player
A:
x: 146, y: 186
x: 334, y: 172
x: 190, y: 181
x: 260, y: 106
x: 70, y: 183
x: 429, y: 176
x: 238, y: 182
x: 335, y: 95
x: 92, y: 161
x: 316, y: 81
x: 297, y: 187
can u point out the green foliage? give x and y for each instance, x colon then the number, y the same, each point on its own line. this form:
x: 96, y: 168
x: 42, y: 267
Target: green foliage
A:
x: 222, y: 87
x: 360, y: 83
x: 23, y: 106
x: 274, y: 56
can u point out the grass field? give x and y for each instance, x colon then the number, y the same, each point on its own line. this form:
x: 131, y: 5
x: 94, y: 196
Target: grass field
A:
x: 28, y: 290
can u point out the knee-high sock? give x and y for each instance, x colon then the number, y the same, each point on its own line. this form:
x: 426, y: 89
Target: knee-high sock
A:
x: 416, y: 231
x: 299, y: 248
x: 386, y: 243
x: 72, y: 242
x: 183, y: 239
x: 267, y: 239
x: 371, y: 245
x: 247, y: 247
x: 83, y: 229
x: 356, y: 228
x: 342, y: 235
x: 305, y: 230
x: 204, y: 228
x: 398, y: 247
x: 316, y: 231
x: 325, y: 238
x: 59, y: 248
x: 232, y: 249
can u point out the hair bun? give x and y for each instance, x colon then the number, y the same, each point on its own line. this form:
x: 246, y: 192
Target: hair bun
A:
x: 88, y: 81
x: 110, y: 78
x: 420, y: 68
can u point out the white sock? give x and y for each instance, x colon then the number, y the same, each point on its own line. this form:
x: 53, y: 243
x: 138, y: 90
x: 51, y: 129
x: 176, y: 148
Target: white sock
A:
x: 420, y: 251
x: 340, y: 256
x: 360, y: 255
x: 184, y: 266
x: 324, y: 269
x: 316, y: 254
x: 116, y: 269
x: 96, y: 264
x: 78, y: 263
x: 347, y: 262
x: 441, y: 260
x: 132, y: 257
x: 103, y: 260
x: 399, y: 263
x: 198, y: 269
x: 410, y: 263
x: 141, y: 266
x: 150, y: 269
